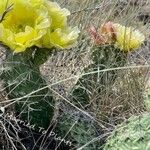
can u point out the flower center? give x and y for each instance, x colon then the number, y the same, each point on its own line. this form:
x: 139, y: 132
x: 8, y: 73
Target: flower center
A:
x: 19, y: 17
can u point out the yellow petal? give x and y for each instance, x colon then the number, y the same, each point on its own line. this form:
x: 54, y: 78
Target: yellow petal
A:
x: 128, y: 38
x: 25, y: 38
x: 58, y: 15
x: 7, y: 35
x: 60, y: 38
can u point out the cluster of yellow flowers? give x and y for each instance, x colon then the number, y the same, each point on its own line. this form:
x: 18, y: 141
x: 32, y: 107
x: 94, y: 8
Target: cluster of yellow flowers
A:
x: 125, y: 38
x: 41, y: 23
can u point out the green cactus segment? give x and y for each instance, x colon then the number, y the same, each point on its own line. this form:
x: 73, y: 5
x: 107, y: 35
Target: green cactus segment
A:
x: 21, y: 80
x: 79, y: 132
x: 108, y: 56
x: 104, y: 57
x: 41, y: 55
x: 133, y: 135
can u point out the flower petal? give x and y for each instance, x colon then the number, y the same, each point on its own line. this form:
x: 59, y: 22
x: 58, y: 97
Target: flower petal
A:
x: 128, y: 38
x: 58, y: 15
x: 60, y: 38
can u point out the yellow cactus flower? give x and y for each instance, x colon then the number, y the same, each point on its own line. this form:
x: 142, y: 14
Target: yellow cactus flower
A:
x: 35, y: 22
x: 24, y: 25
x: 59, y: 34
x: 127, y: 38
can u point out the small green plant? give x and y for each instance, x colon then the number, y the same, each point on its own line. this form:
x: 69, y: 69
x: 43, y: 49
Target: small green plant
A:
x: 132, y: 134
x: 108, y: 55
x: 112, y: 42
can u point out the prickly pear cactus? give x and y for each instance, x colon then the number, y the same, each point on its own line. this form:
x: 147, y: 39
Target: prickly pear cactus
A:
x: 28, y: 90
x: 131, y: 135
x: 104, y: 57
